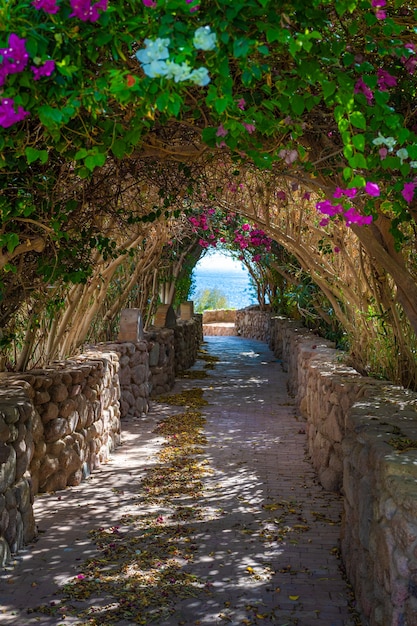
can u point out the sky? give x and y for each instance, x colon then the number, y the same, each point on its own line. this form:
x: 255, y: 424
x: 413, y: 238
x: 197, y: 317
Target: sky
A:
x: 218, y: 261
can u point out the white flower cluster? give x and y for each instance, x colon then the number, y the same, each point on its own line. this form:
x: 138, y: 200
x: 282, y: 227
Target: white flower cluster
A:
x: 390, y: 142
x: 155, y: 62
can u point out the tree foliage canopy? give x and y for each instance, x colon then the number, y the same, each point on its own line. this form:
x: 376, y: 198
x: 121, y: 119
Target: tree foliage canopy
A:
x: 117, y: 112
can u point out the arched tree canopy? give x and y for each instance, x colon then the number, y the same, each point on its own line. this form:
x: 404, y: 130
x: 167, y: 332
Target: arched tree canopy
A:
x: 116, y: 115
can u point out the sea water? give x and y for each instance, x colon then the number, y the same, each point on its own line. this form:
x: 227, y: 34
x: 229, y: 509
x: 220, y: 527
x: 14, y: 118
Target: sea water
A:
x: 234, y: 284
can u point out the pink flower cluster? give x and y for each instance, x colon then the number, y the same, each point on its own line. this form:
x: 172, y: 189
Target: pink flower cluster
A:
x: 350, y: 214
x: 252, y: 237
x: 14, y: 60
x: 8, y: 113
x: 385, y: 81
x: 83, y: 9
x: 380, y: 13
x: 410, y: 61
x: 14, y: 57
x: 49, y: 6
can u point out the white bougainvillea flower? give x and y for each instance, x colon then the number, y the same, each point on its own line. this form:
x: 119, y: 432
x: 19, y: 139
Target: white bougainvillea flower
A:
x: 155, y: 50
x: 200, y: 76
x: 204, y: 39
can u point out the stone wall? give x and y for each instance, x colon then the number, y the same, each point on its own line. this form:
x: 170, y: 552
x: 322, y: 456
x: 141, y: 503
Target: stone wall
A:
x: 188, y: 335
x: 58, y: 424
x: 253, y: 324
x: 18, y: 421
x: 219, y: 315
x: 356, y: 426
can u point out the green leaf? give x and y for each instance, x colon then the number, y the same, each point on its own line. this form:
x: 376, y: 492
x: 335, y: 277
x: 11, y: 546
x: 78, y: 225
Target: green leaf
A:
x: 33, y: 155
x: 94, y: 160
x: 119, y: 148
x: 240, y: 47
x: 162, y: 101
x: 297, y: 104
x: 328, y: 88
x: 12, y: 241
x: 358, y: 181
x: 81, y: 154
x: 358, y: 161
x: 221, y: 104
x: 49, y: 117
x: 358, y: 120
x: 347, y: 173
x: 359, y: 142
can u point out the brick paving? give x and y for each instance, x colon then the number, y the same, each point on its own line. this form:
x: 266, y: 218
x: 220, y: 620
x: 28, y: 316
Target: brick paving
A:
x: 267, y: 544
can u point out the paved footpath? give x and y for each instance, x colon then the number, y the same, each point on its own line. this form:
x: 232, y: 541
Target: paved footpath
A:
x: 264, y: 541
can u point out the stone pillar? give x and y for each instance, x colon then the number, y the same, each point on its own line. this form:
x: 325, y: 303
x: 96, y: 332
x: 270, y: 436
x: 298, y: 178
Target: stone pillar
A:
x: 165, y: 317
x: 131, y: 325
x: 187, y: 310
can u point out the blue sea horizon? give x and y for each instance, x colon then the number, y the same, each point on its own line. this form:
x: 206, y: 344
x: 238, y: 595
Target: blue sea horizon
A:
x: 234, y: 284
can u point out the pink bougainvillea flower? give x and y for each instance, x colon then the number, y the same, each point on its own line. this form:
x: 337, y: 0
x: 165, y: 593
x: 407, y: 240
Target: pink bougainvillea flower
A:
x: 87, y: 12
x: 380, y: 15
x: 249, y: 127
x: 328, y: 208
x: 49, y: 6
x: 221, y: 131
x: 385, y: 80
x: 348, y: 193
x: 43, y: 70
x: 15, y: 57
x: 408, y: 192
x: 372, y: 189
x: 289, y: 156
x: 149, y: 3
x: 324, y: 221
x: 336, y: 249
x: 8, y: 114
x: 361, y: 87
x: 378, y: 3
x: 353, y: 217
x: 246, y: 227
x: 241, y: 104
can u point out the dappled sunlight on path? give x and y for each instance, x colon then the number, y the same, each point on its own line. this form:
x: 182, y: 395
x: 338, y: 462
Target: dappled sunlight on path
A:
x: 210, y: 513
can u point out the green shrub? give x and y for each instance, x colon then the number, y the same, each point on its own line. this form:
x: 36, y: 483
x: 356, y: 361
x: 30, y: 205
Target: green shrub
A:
x: 210, y: 299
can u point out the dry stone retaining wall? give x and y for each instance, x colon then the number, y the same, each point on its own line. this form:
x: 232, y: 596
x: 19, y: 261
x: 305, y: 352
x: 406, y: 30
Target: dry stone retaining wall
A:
x: 353, y: 423
x: 356, y: 426
x: 58, y: 424
x: 253, y: 324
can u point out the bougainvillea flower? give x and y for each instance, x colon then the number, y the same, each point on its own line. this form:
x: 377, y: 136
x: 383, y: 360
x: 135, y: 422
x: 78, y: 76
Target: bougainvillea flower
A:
x: 85, y: 11
x: 362, y: 87
x: 408, y: 192
x: 8, y: 114
x: 49, y: 6
x: 43, y: 70
x: 372, y: 189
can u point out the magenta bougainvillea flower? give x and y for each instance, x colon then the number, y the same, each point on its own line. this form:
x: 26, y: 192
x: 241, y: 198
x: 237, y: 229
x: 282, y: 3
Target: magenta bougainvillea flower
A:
x: 87, y: 12
x: 43, y: 70
x: 9, y: 115
x: 49, y: 6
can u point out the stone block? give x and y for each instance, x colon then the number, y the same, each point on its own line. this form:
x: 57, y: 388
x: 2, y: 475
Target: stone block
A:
x: 55, y: 482
x: 5, y: 554
x: 131, y: 325
x: 139, y: 374
x: 7, y: 467
x: 59, y: 392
